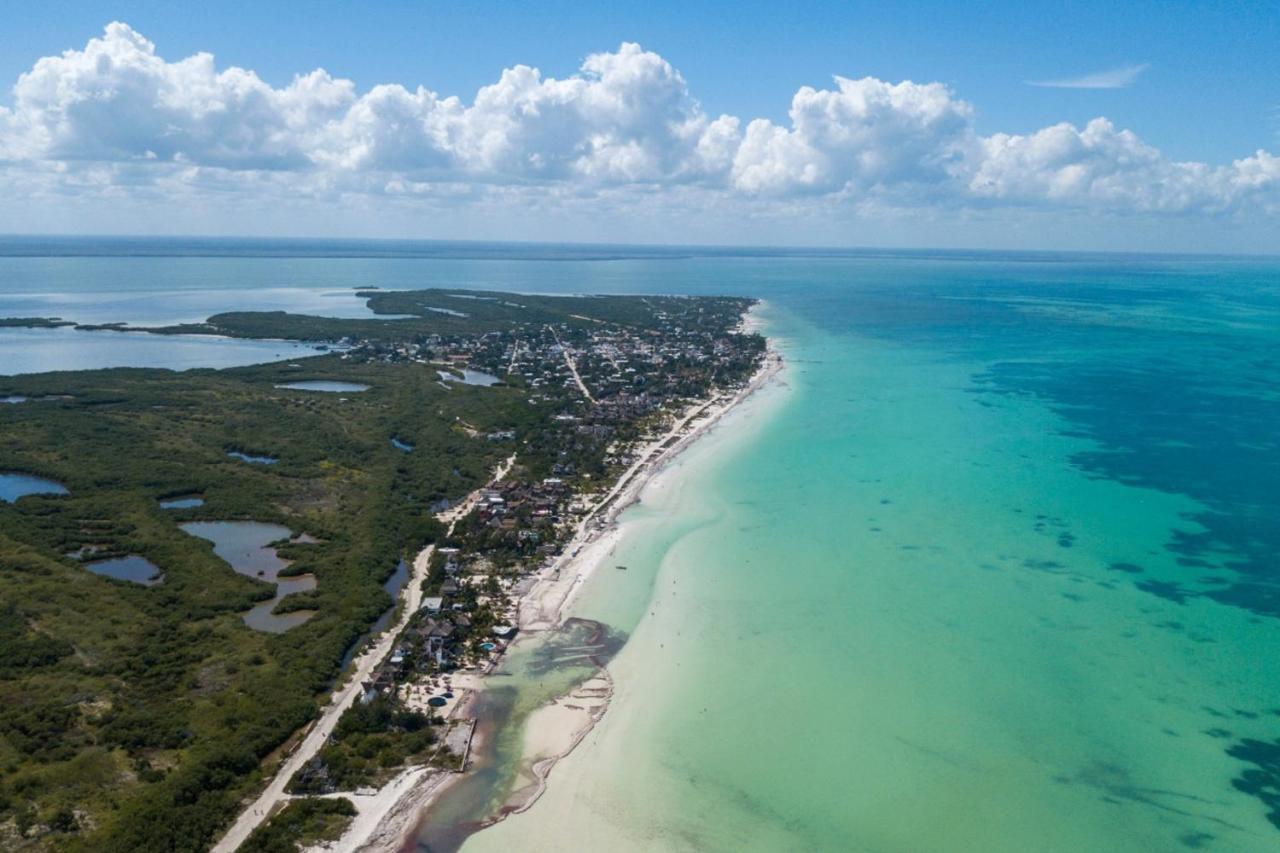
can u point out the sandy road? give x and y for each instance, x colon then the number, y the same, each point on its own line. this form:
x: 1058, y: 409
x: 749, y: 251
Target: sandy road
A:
x: 573, y: 368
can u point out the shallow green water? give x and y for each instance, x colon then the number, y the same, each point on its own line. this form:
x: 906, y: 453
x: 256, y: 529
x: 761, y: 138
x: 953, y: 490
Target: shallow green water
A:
x: 983, y: 576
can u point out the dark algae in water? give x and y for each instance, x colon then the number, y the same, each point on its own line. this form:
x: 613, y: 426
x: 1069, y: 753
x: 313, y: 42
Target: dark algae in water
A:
x: 1262, y: 780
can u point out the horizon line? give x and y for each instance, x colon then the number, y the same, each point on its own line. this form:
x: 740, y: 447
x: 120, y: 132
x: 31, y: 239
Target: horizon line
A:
x: 724, y: 248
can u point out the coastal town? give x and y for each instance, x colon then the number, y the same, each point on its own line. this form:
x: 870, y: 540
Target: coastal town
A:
x: 615, y: 401
x: 326, y: 557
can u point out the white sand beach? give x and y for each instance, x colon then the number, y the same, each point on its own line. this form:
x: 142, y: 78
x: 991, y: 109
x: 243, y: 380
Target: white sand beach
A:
x: 388, y: 815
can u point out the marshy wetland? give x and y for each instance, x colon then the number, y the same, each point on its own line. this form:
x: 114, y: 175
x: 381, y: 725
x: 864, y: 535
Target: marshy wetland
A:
x: 214, y: 666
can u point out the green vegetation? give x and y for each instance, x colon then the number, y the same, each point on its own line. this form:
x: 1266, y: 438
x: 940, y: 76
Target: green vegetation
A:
x: 448, y: 312
x: 301, y: 823
x: 371, y: 741
x: 149, y: 710
x: 137, y: 718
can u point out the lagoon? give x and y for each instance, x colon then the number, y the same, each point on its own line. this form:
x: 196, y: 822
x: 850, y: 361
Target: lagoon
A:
x: 14, y: 486
x: 41, y: 350
x: 132, y: 568
x: 325, y: 385
x: 246, y: 547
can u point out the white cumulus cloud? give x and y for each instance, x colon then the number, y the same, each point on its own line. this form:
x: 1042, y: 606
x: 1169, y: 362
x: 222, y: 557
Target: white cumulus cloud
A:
x: 865, y: 134
x: 116, y: 119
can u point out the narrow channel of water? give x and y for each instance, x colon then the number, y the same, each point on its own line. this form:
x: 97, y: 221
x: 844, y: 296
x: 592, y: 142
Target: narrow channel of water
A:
x: 182, y: 502
x: 252, y: 458
x: 532, y: 675
x: 392, y: 585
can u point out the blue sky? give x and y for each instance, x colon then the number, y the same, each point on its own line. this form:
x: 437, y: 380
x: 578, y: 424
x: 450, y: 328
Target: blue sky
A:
x: 1209, y: 93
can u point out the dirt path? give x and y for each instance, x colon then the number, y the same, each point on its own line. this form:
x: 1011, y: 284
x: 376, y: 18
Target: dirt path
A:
x: 573, y: 368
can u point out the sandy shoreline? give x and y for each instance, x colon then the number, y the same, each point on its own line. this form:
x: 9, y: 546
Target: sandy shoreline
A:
x: 557, y: 728
x: 543, y: 607
x: 386, y: 818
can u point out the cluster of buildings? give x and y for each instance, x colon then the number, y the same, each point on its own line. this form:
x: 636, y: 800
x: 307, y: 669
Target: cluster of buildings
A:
x: 600, y: 384
x: 634, y: 367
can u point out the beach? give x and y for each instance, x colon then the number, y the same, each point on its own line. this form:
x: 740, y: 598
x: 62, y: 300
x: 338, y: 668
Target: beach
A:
x: 386, y: 817
x: 383, y: 805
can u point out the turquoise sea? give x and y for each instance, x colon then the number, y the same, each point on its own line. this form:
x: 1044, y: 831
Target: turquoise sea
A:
x: 993, y: 567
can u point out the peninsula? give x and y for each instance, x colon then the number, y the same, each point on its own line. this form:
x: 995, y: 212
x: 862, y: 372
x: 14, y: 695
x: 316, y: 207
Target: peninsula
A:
x: 417, y: 495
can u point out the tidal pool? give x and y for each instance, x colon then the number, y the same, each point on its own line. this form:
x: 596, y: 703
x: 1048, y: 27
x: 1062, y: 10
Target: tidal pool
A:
x: 246, y: 547
x: 14, y: 486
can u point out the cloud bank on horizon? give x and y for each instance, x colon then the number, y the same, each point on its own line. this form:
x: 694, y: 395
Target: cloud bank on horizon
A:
x: 117, y: 120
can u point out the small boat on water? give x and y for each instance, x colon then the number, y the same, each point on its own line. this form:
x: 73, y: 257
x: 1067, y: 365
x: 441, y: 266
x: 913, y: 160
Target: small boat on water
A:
x: 621, y: 568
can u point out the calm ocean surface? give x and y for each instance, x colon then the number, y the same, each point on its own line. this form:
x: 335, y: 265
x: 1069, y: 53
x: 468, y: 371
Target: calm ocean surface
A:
x: 995, y: 568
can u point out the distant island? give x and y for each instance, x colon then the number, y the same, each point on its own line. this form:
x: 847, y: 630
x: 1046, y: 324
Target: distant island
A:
x: 33, y: 322
x: 408, y: 490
